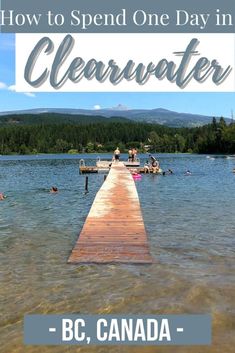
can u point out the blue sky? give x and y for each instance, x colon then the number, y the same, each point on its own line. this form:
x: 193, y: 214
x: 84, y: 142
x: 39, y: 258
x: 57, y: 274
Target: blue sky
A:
x: 213, y: 104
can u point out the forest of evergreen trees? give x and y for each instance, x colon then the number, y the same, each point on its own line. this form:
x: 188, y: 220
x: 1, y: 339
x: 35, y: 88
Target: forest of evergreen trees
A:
x: 216, y: 137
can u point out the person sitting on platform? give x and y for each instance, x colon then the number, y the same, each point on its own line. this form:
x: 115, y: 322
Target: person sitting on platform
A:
x: 147, y: 167
x: 154, y: 164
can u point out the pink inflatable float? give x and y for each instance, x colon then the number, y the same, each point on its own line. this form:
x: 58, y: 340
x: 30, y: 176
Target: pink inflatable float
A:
x: 136, y: 176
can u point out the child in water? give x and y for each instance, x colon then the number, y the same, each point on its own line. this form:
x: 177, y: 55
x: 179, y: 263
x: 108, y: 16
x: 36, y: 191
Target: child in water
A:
x: 188, y: 172
x: 54, y: 190
x: 2, y: 197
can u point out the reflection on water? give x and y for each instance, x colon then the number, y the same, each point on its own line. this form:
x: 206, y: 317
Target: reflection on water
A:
x: 190, y: 224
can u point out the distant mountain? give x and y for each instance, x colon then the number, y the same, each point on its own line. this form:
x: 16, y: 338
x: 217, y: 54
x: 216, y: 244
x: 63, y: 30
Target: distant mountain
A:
x: 158, y: 116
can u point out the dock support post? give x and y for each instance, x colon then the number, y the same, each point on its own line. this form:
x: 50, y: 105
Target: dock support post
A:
x: 86, y: 184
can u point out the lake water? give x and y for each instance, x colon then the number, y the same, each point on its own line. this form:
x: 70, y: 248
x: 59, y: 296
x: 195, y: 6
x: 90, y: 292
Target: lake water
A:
x: 191, y: 230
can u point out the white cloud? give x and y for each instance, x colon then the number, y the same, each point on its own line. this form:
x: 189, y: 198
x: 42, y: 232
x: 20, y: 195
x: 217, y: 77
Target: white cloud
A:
x: 97, y: 107
x: 29, y: 94
x: 3, y: 85
x: 12, y: 88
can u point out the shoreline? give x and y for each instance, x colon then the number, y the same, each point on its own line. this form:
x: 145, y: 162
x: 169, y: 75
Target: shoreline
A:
x: 124, y: 153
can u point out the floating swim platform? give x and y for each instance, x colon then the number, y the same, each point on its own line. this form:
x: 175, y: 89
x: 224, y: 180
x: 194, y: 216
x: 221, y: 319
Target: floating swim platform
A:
x: 94, y: 169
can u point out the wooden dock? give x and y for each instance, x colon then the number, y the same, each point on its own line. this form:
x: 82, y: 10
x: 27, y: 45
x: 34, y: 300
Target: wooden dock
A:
x: 114, y: 229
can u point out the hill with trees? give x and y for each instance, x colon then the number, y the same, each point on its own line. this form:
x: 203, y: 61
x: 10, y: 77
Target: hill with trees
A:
x: 104, y: 135
x: 55, y: 118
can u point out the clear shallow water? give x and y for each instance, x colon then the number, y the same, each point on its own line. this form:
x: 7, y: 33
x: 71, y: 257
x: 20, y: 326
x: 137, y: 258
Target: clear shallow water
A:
x: 191, y: 228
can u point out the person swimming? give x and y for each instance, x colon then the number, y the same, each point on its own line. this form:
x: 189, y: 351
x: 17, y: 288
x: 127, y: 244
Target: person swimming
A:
x: 54, y: 190
x: 2, y: 196
x: 168, y: 172
x: 188, y: 172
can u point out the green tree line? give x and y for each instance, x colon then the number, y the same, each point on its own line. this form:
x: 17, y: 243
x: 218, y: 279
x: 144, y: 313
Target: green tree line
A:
x: 216, y: 137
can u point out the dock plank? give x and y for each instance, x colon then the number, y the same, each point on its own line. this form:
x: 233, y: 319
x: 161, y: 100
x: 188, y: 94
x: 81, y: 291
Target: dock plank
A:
x: 114, y: 230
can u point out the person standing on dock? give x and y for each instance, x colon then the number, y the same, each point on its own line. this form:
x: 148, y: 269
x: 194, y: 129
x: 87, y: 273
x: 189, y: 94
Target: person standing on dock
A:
x: 130, y: 154
x: 134, y: 154
x: 117, y: 154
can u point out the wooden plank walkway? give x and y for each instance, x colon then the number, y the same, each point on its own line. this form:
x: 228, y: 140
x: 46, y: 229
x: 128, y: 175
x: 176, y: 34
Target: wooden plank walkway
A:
x: 114, y: 229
